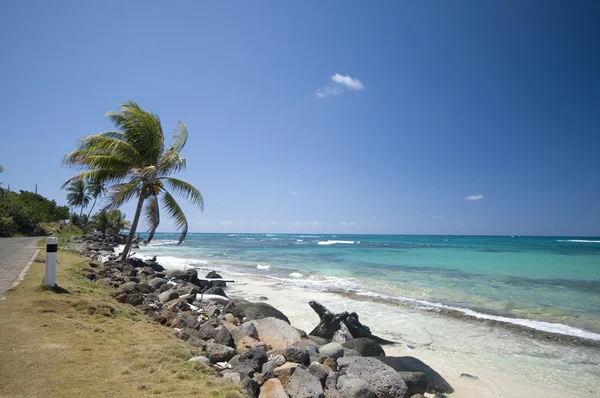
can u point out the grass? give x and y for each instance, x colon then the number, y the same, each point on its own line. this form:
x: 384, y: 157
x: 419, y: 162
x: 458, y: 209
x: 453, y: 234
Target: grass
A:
x: 85, y: 344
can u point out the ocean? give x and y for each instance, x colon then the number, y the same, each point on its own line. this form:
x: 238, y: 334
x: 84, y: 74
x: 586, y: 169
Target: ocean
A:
x: 416, y: 289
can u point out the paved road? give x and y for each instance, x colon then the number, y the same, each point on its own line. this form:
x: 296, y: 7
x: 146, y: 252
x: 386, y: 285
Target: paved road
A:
x: 15, y: 253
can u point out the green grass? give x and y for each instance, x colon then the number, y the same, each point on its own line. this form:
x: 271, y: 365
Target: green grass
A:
x: 86, y: 344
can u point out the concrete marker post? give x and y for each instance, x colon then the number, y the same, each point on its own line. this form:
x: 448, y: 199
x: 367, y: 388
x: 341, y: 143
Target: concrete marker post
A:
x: 51, y: 254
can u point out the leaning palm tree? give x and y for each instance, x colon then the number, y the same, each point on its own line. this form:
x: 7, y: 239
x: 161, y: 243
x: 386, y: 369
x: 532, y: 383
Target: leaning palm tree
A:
x: 77, y: 196
x: 95, y: 189
x: 136, y: 161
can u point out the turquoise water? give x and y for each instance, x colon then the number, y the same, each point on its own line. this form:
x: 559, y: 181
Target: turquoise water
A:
x: 549, y: 283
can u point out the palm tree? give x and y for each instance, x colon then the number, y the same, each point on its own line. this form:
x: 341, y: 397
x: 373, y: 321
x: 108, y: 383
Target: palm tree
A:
x: 136, y: 161
x: 110, y: 222
x: 95, y: 188
x: 77, y: 196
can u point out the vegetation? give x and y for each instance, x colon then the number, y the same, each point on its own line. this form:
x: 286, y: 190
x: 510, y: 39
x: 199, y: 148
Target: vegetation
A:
x: 110, y: 222
x: 85, y: 344
x: 78, y: 195
x: 136, y: 161
x: 95, y: 189
x: 22, y: 213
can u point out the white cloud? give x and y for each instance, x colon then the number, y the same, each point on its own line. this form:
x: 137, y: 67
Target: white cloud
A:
x: 294, y: 193
x: 344, y: 83
x: 474, y: 197
x: 226, y: 222
x: 353, y: 84
x: 348, y: 224
x: 438, y: 217
x: 328, y: 91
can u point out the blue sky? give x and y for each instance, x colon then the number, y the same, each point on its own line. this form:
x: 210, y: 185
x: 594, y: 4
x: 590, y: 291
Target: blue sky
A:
x: 342, y: 117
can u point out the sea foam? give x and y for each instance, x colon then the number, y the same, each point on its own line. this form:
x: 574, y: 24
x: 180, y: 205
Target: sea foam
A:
x: 336, y: 242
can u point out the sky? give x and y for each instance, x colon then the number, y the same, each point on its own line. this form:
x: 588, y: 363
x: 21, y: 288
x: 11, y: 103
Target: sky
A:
x: 461, y: 117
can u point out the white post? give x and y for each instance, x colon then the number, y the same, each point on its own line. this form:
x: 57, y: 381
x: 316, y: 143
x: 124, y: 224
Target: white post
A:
x: 51, y: 252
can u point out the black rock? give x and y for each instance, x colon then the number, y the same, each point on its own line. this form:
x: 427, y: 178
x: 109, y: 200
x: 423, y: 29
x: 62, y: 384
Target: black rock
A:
x: 435, y: 382
x: 243, y: 308
x: 215, y: 290
x: 251, y: 361
x: 297, y: 354
x: 415, y: 381
x: 250, y: 386
x: 212, y: 275
x: 366, y: 347
x: 224, y: 337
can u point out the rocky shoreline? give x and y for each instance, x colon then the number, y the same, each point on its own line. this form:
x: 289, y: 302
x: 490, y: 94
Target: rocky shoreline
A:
x: 253, y: 343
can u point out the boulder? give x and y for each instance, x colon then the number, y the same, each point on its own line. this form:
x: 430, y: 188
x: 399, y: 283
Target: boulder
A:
x: 331, y: 364
x: 132, y: 299
x: 278, y: 359
x: 215, y: 298
x: 331, y: 381
x: 296, y: 354
x: 175, y: 274
x: 415, y: 381
x: 384, y: 380
x: 244, y: 330
x: 366, y: 347
x: 218, y: 352
x: 285, y: 371
x: 208, y: 331
x: 332, y: 350
x: 250, y: 386
x: 223, y: 337
x: 250, y: 362
x: 234, y: 376
x: 243, y: 308
x: 319, y: 371
x: 319, y: 340
x: 309, y: 345
x: 201, y: 359
x: 351, y: 386
x: 276, y: 333
x: 268, y: 368
x: 186, y: 320
x: 168, y: 296
x: 212, y: 275
x: 215, y: 290
x: 436, y: 383
x: 333, y: 393
x: 245, y: 344
x: 302, y: 384
x: 349, y: 352
x: 272, y: 388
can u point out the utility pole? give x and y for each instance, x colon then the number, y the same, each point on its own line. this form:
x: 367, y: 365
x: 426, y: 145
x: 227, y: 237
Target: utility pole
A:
x: 36, y: 188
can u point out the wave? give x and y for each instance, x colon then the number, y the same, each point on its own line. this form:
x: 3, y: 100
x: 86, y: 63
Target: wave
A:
x: 549, y: 327
x: 163, y: 243
x: 579, y: 240
x: 296, y: 275
x: 170, y: 262
x: 259, y: 266
x: 335, y: 242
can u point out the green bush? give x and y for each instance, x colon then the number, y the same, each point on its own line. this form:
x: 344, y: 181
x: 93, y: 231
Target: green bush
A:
x: 26, y: 210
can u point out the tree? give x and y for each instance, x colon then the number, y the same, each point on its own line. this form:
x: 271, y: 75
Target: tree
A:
x: 77, y: 196
x: 1, y: 170
x: 95, y: 189
x: 110, y: 221
x: 136, y: 161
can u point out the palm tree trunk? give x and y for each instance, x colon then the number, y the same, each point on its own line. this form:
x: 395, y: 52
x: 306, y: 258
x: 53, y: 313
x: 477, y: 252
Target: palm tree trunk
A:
x: 134, y: 224
x: 93, y: 204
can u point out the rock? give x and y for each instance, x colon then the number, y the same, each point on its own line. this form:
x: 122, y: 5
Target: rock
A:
x: 213, y: 275
x: 302, y: 385
x: 384, y: 380
x: 231, y: 319
x: 129, y: 287
x: 186, y: 320
x: 366, y: 347
x: 331, y: 364
x: 296, y: 354
x: 243, y: 308
x: 285, y: 371
x: 415, y: 381
x: 333, y: 393
x: 223, y: 337
x: 250, y: 386
x: 436, y: 383
x: 244, y: 330
x: 418, y: 396
x: 168, y: 296
x: 309, y: 345
x: 201, y: 359
x: 175, y: 274
x: 332, y: 350
x: 272, y: 388
x: 278, y: 359
x: 468, y: 376
x: 234, y: 376
x: 216, y: 290
x: 302, y: 333
x: 207, y: 331
x: 94, y: 246
x: 245, y: 344
x: 250, y: 362
x: 349, y: 352
x: 276, y: 333
x: 319, y: 340
x: 132, y: 299
x: 351, y: 386
x: 218, y: 352
x: 319, y: 371
x: 317, y: 358
x: 267, y: 369
x: 331, y: 381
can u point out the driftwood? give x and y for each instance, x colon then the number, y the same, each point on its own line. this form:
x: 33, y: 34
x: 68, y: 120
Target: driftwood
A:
x: 345, y: 322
